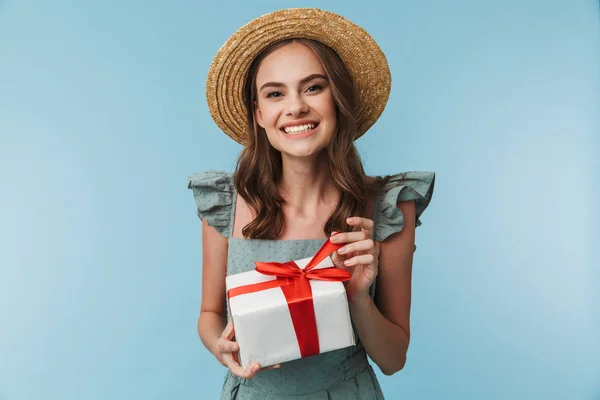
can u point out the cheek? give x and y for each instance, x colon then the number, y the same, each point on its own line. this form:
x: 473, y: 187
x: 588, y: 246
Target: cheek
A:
x: 327, y: 106
x: 269, y: 115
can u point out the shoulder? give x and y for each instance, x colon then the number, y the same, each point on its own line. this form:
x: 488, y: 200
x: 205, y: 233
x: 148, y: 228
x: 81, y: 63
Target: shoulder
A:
x: 211, y: 178
x: 392, y: 192
x: 214, y: 194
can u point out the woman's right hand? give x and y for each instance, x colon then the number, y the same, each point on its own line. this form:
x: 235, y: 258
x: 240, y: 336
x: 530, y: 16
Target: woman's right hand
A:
x: 227, y: 349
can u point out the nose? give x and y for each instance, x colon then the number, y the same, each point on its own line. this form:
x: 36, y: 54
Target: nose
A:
x: 297, y: 106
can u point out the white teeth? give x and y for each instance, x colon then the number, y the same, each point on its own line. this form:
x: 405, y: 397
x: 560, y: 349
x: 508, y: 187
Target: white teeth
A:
x: 299, y: 129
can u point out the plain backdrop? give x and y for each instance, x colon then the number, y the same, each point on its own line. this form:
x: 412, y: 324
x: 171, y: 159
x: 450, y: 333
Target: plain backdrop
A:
x: 103, y: 117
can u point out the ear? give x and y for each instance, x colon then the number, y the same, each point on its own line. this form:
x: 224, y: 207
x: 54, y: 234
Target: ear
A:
x: 258, y: 115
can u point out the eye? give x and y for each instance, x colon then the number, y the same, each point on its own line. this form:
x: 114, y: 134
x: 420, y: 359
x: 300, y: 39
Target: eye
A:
x: 274, y: 94
x: 314, y: 88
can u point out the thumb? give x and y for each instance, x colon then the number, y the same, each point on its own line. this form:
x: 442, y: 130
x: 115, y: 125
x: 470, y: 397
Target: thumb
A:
x: 338, y: 259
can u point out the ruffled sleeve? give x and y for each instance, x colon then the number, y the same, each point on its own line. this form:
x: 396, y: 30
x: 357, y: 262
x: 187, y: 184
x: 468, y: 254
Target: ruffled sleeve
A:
x: 414, y: 185
x: 213, y: 193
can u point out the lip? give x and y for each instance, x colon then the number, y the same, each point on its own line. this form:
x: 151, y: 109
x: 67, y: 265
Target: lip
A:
x: 299, y: 135
x: 298, y: 122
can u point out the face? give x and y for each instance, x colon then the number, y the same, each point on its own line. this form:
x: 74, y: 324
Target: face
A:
x: 294, y: 103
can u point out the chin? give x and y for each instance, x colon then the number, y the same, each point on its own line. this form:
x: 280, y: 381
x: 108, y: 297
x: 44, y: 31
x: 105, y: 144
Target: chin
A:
x: 300, y: 149
x: 303, y: 153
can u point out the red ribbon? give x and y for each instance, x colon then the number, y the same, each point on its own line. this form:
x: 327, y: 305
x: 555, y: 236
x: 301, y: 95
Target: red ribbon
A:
x: 295, y: 285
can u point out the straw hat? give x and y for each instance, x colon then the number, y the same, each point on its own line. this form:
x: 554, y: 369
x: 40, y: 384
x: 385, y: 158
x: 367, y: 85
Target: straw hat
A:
x: 363, y: 58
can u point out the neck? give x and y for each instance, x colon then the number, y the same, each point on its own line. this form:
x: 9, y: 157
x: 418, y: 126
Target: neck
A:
x: 306, y: 184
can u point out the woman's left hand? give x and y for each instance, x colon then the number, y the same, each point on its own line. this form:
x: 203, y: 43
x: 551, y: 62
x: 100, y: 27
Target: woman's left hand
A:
x: 360, y: 256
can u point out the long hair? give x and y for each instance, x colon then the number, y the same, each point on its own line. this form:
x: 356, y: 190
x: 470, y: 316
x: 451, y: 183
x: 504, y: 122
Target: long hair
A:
x: 259, y: 166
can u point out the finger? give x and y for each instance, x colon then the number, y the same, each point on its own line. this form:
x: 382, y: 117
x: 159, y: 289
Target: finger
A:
x: 228, y: 332
x: 337, y: 257
x: 271, y: 367
x: 237, y: 369
x: 338, y: 262
x: 363, y: 245
x: 364, y: 223
x: 252, y: 370
x: 377, y: 250
x: 227, y: 346
x: 364, y: 259
x: 348, y: 237
x: 234, y: 366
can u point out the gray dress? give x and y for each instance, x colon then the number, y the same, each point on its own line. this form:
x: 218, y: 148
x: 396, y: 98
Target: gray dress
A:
x: 343, y: 374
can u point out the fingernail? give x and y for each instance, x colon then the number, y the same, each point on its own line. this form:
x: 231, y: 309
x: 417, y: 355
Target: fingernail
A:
x: 348, y: 262
x: 342, y: 250
x: 255, y: 368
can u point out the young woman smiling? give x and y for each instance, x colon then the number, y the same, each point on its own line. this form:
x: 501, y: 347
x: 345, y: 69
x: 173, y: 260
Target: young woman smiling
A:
x: 297, y: 87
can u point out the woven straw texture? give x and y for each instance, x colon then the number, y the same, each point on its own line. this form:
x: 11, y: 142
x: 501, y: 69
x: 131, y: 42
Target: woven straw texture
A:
x: 363, y: 58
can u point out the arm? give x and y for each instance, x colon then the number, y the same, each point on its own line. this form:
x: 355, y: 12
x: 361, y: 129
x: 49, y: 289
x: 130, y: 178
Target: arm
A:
x: 213, y: 315
x: 216, y: 334
x: 384, y: 329
x: 384, y: 325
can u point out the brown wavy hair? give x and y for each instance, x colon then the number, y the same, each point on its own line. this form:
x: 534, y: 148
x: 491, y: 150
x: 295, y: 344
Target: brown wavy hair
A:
x: 259, y: 166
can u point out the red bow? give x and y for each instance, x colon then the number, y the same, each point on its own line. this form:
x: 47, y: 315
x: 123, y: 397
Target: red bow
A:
x: 295, y: 285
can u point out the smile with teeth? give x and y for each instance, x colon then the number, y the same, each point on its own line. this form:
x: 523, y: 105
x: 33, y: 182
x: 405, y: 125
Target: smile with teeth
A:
x: 295, y: 130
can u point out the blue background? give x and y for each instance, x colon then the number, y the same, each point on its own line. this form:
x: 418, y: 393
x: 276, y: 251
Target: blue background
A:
x: 103, y: 117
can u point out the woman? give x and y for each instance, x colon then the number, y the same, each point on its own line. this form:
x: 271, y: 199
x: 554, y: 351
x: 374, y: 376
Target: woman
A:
x: 296, y: 87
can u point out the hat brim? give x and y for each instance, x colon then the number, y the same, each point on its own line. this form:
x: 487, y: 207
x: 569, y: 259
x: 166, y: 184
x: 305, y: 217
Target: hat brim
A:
x: 364, y: 60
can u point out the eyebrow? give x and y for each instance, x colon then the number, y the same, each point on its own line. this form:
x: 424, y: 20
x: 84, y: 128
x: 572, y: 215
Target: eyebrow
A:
x: 302, y: 82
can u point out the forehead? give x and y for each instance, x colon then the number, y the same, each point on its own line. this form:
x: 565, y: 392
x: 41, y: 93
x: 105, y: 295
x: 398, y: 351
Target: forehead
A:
x: 288, y: 64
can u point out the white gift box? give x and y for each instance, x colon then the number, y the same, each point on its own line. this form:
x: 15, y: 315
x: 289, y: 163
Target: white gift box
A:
x: 263, y: 324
